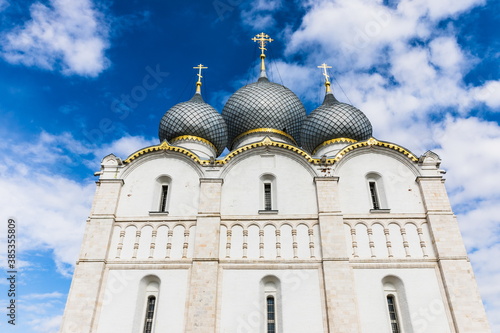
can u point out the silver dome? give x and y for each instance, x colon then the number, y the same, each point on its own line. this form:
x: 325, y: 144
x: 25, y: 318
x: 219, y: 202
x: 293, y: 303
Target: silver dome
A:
x: 196, y: 118
x: 333, y: 120
x: 263, y: 104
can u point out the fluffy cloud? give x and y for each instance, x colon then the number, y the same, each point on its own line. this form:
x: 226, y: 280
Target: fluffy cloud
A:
x: 489, y: 93
x: 469, y: 149
x: 51, y: 208
x: 396, y: 63
x: 124, y: 146
x: 259, y: 15
x: 46, y: 325
x: 66, y: 35
x: 4, y: 4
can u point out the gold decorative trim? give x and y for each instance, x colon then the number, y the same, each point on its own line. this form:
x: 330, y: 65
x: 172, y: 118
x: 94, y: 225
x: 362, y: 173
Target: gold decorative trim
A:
x: 332, y: 141
x: 194, y: 138
x: 164, y: 146
x: 268, y: 142
x: 265, y: 130
x: 375, y: 142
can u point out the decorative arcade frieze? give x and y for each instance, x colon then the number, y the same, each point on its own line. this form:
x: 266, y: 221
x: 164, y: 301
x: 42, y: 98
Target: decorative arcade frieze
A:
x: 379, y: 238
x: 270, y: 239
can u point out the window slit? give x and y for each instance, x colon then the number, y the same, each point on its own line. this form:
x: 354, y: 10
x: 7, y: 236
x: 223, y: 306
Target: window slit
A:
x: 374, y: 196
x: 163, y: 201
x: 150, y: 310
x: 267, y: 196
x: 392, y: 314
x: 271, y: 310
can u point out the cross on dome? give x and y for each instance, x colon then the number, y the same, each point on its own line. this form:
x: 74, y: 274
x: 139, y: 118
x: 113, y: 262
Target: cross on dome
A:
x: 262, y: 39
x: 198, y: 84
x: 324, y: 66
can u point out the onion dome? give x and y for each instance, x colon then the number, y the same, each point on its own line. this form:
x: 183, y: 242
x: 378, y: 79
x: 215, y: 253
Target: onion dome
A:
x: 263, y: 107
x: 334, y: 120
x: 195, y: 120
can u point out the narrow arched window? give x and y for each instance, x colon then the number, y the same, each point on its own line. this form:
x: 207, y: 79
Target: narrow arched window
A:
x: 161, y: 195
x: 150, y: 312
x: 398, y: 313
x: 376, y: 193
x: 393, y: 315
x: 267, y: 196
x: 271, y: 305
x: 163, y: 198
x: 271, y: 315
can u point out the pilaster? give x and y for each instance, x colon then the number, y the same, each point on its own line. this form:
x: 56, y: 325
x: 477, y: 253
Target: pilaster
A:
x: 458, y: 278
x: 83, y: 295
x: 340, y: 293
x: 202, y: 298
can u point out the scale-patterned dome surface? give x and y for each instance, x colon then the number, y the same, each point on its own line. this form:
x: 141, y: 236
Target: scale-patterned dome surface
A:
x: 333, y: 120
x: 263, y: 104
x: 196, y: 118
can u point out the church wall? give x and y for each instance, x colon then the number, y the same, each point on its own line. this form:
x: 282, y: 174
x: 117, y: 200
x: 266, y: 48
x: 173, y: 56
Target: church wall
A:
x: 397, y: 188
x: 242, y: 188
x: 141, y: 191
x: 419, y: 301
x: 124, y: 300
x: 299, y: 304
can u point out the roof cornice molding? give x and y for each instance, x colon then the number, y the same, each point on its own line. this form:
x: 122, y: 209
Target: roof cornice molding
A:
x: 268, y: 142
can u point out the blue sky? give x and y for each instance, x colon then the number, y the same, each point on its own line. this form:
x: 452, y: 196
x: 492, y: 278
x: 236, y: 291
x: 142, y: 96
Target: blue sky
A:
x: 80, y: 79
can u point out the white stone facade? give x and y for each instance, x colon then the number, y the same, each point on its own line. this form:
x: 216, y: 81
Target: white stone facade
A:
x: 328, y: 258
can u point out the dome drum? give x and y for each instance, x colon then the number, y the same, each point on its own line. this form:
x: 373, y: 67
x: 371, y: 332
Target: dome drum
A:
x: 332, y: 147
x: 258, y: 134
x: 201, y: 147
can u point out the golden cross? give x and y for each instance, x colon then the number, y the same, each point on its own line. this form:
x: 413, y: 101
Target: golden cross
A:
x: 324, y: 67
x: 262, y: 39
x: 198, y: 84
x: 199, y: 67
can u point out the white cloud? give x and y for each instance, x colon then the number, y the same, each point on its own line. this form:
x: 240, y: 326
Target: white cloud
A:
x: 51, y: 209
x: 446, y: 54
x: 488, y: 93
x: 445, y: 8
x: 124, y: 146
x: 46, y: 325
x: 3, y: 5
x: 66, y: 35
x: 259, y: 14
x: 398, y: 83
x: 469, y: 148
x: 54, y: 294
x: 487, y: 276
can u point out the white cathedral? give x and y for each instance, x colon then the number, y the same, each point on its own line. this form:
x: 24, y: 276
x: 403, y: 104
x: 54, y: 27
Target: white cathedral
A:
x: 308, y: 224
